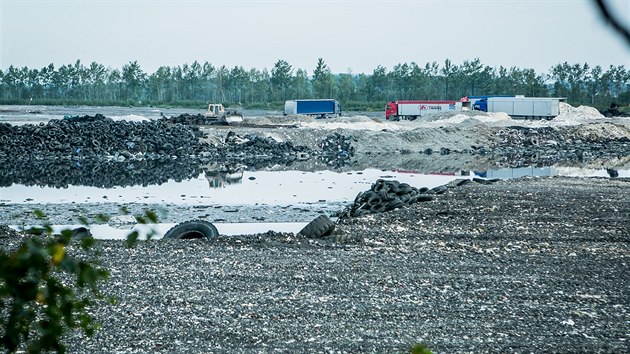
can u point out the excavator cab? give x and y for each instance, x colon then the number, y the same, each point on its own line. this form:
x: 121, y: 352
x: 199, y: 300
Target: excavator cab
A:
x: 215, y: 110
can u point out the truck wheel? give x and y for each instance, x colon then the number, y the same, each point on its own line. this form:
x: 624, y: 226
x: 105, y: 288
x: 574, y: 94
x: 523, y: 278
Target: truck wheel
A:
x: 320, y: 226
x: 192, y: 229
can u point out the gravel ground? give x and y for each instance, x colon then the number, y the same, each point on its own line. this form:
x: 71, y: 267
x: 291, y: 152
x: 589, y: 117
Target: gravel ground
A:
x: 526, y: 265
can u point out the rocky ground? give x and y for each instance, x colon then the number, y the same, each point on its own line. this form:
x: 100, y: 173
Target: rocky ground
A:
x: 527, y: 265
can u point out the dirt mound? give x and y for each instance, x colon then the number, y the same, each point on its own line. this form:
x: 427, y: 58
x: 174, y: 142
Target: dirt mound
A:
x: 577, y: 115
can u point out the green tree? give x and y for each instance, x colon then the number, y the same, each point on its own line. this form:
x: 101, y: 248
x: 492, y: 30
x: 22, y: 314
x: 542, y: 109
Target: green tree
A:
x: 347, y: 87
x: 95, y: 81
x: 115, y: 85
x: 449, y: 72
x: 281, y: 79
x: 376, y: 87
x: 571, y: 81
x: 134, y: 80
x: 261, y: 86
x: 594, y: 89
x: 3, y: 85
x: 191, y: 84
x: 323, y: 84
x: 477, y: 77
x: 46, y: 291
x: 158, y: 85
x: 433, y: 88
x: 300, y: 84
x: 208, y: 71
x: 14, y: 79
x: 615, y: 80
x: 237, y: 84
x: 400, y: 78
x: 46, y: 75
x: 39, y: 307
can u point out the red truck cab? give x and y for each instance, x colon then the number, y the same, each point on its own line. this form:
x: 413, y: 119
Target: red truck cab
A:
x: 391, y: 110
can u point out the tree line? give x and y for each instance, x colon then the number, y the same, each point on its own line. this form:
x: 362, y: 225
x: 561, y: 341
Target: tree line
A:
x: 197, y: 84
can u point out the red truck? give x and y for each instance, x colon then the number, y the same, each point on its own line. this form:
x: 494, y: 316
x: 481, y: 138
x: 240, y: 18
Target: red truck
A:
x: 411, y: 110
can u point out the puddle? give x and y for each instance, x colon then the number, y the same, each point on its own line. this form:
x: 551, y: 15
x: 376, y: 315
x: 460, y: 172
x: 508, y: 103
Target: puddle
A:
x: 248, y: 188
x: 266, y: 187
x: 108, y: 232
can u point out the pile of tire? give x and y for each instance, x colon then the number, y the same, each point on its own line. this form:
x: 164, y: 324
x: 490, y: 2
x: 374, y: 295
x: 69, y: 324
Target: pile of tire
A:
x: 386, y: 195
x: 337, y: 145
x: 337, y: 150
x: 193, y: 119
x: 256, y: 151
x: 98, y: 137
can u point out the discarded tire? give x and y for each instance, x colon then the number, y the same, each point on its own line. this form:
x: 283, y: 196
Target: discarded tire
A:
x: 320, y: 226
x: 191, y: 230
x: 393, y: 204
x: 385, y: 195
x: 439, y: 190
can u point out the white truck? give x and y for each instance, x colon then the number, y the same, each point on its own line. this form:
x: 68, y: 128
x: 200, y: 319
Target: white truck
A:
x: 521, y: 107
x: 411, y: 110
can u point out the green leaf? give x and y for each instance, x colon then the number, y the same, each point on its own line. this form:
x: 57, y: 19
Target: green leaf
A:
x: 132, y: 238
x: 39, y: 214
x: 102, y: 218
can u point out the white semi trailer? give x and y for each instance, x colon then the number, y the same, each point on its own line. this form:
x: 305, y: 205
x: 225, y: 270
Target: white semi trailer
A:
x: 411, y: 110
x: 521, y: 107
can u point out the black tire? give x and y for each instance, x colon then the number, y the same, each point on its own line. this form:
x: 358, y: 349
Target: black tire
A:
x: 379, y: 208
x: 320, y: 226
x: 406, y: 198
x: 378, y: 185
x: 81, y: 232
x: 393, y: 204
x: 374, y: 200
x: 486, y: 181
x: 192, y: 229
x: 343, y: 238
x: 404, y: 188
x: 386, y: 194
x: 424, y: 197
x: 438, y: 190
x: 461, y: 182
x: 423, y: 190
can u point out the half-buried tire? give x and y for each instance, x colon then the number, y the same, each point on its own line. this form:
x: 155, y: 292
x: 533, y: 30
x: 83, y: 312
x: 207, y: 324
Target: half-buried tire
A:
x: 320, y: 226
x: 192, y: 229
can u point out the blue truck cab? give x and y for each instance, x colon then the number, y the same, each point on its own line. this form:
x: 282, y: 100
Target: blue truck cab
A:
x: 480, y: 103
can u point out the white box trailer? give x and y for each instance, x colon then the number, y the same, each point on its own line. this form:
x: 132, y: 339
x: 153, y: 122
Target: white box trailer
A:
x: 413, y: 109
x: 525, y: 107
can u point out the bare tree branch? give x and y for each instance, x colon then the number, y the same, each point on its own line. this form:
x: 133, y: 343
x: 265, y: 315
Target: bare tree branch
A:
x: 613, y: 21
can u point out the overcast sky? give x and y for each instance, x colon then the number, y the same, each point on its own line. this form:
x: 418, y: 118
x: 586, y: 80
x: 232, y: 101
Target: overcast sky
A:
x: 348, y: 35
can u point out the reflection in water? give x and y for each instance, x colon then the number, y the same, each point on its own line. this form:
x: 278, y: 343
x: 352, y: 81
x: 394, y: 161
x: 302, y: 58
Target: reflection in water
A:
x: 96, y: 173
x: 220, y: 175
x: 220, y: 179
x: 229, y: 188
